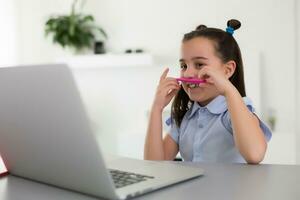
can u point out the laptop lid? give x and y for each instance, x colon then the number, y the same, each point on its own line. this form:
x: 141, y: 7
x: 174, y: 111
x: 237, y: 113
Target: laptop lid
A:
x: 42, y: 121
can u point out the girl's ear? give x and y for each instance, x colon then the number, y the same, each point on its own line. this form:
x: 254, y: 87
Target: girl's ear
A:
x: 229, y: 68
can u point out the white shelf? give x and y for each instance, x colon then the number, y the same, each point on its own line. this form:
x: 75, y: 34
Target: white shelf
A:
x: 107, y: 60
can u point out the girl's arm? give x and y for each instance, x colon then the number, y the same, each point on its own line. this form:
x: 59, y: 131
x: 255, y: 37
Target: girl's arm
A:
x: 248, y: 136
x: 157, y: 148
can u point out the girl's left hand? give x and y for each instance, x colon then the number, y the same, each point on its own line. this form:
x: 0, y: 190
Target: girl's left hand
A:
x: 217, y: 78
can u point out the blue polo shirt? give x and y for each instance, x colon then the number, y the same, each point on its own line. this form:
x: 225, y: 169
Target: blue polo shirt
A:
x: 206, y: 135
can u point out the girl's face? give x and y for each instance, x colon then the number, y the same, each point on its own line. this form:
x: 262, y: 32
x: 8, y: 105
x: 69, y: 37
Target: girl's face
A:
x: 195, y: 54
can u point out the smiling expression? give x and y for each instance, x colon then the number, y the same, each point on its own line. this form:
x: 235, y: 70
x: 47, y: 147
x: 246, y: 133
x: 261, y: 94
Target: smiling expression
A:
x: 195, y: 54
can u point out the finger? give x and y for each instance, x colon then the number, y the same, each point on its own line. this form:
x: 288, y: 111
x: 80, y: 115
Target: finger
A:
x: 209, y: 80
x: 166, y: 90
x: 164, y: 74
x: 203, y: 73
x: 172, y: 93
x: 168, y: 84
x: 171, y: 79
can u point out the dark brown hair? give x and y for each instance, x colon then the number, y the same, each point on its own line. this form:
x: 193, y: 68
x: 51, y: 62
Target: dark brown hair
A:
x: 226, y: 49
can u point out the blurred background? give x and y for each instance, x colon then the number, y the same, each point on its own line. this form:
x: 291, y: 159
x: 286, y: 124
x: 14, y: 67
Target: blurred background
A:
x: 117, y: 73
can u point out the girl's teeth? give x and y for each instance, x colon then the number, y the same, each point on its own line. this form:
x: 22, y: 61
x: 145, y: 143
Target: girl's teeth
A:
x: 193, y: 85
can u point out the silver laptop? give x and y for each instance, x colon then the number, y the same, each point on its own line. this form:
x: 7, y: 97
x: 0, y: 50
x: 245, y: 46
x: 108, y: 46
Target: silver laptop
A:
x: 45, y: 135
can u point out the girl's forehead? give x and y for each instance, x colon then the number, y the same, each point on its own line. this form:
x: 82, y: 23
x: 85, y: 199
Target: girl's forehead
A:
x: 197, y: 47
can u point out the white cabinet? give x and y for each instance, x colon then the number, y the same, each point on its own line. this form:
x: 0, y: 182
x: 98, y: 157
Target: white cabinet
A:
x: 281, y: 149
x: 118, y: 96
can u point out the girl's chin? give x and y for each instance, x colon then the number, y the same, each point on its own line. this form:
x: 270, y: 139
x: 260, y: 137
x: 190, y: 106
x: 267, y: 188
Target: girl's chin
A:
x: 198, y: 98
x: 199, y: 94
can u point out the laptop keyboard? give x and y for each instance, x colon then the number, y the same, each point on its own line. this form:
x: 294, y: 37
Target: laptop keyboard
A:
x: 122, y: 178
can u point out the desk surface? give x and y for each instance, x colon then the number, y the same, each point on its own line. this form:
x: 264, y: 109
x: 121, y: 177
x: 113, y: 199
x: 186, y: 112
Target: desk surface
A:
x: 221, y: 181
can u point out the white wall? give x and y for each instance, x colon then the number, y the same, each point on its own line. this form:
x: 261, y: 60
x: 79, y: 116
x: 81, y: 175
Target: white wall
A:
x: 268, y: 30
x: 33, y: 47
x: 158, y: 26
x: 8, y: 54
x: 297, y: 77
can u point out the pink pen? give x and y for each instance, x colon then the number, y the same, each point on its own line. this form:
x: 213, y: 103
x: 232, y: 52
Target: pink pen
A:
x: 191, y: 80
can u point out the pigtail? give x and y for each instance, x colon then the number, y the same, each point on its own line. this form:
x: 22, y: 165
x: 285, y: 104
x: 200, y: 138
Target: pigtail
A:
x: 233, y: 23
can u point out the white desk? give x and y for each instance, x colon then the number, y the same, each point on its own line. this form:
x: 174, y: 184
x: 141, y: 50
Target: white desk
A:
x: 221, y: 181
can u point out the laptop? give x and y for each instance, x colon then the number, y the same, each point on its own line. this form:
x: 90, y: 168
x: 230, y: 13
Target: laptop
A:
x: 45, y: 135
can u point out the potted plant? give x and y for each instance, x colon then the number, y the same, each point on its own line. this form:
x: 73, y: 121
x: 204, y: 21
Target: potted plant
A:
x: 76, y: 30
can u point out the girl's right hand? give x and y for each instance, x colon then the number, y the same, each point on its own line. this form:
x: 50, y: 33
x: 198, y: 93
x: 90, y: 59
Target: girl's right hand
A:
x: 166, y: 90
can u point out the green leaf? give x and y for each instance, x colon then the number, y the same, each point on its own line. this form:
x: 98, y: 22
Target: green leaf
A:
x: 75, y: 30
x: 103, y: 32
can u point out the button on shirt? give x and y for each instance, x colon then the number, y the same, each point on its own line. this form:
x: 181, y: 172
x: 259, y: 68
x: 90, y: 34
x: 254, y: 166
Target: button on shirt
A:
x: 206, y: 135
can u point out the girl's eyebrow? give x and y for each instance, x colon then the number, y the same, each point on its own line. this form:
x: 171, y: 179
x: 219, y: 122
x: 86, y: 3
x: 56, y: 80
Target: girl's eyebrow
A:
x: 199, y: 57
x: 194, y: 58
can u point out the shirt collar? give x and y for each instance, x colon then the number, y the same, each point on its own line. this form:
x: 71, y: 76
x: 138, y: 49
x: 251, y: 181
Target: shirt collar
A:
x: 217, y: 106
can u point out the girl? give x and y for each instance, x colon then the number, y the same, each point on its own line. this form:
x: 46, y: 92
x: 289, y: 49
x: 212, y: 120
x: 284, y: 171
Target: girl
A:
x: 211, y: 121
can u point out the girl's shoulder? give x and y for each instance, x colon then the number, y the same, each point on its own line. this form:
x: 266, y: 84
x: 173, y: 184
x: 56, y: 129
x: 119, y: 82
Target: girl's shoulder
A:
x: 219, y: 105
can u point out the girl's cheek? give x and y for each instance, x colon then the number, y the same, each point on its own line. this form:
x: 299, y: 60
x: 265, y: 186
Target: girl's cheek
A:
x: 181, y: 73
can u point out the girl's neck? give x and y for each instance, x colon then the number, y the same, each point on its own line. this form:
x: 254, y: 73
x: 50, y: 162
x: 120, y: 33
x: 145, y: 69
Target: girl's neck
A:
x: 206, y: 102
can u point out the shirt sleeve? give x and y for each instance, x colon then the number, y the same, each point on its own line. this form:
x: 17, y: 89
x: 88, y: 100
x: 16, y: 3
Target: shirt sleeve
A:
x: 227, y: 121
x: 173, y: 130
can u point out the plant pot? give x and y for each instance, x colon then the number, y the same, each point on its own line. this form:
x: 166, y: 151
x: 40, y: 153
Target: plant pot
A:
x: 99, y: 48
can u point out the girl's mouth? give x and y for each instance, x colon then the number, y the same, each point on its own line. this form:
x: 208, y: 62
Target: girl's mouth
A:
x: 192, y: 85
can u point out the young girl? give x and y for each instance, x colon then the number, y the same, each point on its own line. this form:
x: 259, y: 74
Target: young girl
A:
x: 211, y: 121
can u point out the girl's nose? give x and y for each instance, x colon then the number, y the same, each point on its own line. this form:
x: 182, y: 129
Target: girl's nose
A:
x: 190, y: 72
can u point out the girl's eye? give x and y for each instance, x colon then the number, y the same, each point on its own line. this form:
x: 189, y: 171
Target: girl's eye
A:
x: 183, y: 66
x: 199, y: 65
